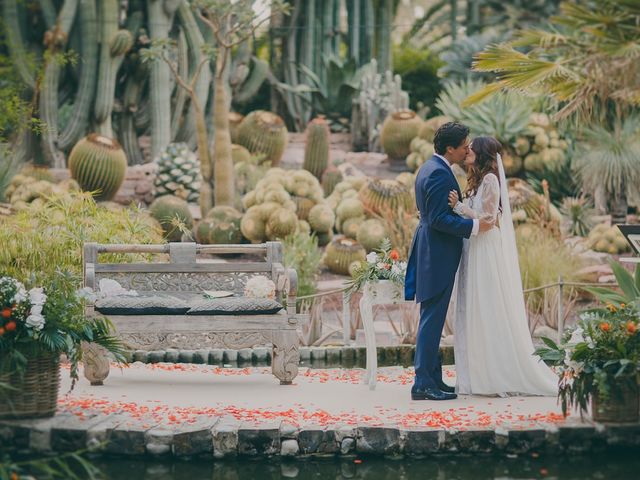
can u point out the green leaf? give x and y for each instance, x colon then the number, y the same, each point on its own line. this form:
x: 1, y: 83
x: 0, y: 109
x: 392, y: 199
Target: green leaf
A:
x: 625, y: 281
x: 605, y: 295
x: 550, y: 343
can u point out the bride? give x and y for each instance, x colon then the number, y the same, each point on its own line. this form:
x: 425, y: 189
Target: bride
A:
x: 493, y: 347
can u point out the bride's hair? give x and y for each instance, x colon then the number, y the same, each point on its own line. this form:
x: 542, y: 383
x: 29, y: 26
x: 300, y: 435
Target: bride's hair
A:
x: 486, y: 150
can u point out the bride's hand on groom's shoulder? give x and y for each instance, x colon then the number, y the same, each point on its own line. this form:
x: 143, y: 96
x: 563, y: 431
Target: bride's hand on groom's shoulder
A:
x: 453, y: 198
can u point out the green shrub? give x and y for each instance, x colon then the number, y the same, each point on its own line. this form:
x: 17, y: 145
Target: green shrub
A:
x: 42, y: 239
x: 302, y: 253
x: 419, y: 71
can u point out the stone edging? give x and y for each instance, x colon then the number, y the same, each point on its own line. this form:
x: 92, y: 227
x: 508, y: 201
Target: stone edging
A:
x: 218, y: 438
x: 348, y: 356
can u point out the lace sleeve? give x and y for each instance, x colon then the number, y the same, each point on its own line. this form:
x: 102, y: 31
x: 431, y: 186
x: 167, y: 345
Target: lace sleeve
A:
x: 490, y: 197
x: 464, y: 211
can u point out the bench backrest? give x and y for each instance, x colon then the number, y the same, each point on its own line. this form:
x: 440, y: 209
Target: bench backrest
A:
x: 185, y: 270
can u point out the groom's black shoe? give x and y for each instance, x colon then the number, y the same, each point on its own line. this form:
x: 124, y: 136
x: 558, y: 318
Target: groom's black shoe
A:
x: 445, y: 388
x: 431, y: 394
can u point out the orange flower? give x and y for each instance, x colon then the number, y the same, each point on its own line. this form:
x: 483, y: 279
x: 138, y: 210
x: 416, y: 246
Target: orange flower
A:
x: 14, y: 476
x: 605, y: 327
x: 394, y: 255
x: 6, y: 312
x: 387, y: 266
x: 631, y: 327
x: 611, y: 308
x: 10, y: 326
x: 622, y: 305
x: 1, y: 331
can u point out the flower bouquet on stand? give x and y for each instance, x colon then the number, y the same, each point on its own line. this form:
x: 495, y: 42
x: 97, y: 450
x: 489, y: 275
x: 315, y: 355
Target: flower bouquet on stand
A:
x: 36, y: 327
x: 383, y: 271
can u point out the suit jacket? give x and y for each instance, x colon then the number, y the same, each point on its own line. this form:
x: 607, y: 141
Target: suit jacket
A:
x: 437, y: 241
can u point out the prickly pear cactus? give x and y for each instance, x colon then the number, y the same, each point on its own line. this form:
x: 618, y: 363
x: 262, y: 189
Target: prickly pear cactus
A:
x: 178, y: 173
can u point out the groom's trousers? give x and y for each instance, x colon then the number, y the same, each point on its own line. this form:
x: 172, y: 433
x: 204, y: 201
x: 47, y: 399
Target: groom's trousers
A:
x: 433, y: 313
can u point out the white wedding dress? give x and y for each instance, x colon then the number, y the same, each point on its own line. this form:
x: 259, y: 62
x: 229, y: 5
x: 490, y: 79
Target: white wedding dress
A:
x: 493, y: 347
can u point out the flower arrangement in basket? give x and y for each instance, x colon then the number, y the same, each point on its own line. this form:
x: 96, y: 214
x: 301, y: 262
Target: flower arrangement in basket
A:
x: 36, y: 326
x: 383, y: 264
x: 598, y: 359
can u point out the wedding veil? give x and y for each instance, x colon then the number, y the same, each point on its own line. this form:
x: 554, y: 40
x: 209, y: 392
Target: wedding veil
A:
x: 509, y: 249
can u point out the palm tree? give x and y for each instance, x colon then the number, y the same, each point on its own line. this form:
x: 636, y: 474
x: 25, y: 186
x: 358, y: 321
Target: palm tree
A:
x: 588, y: 61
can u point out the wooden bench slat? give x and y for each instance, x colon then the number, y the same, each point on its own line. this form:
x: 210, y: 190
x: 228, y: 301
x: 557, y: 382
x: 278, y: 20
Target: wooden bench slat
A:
x: 164, y: 248
x: 182, y: 268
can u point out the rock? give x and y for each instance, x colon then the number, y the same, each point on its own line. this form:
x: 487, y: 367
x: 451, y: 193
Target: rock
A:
x: 347, y: 445
x: 422, y: 442
x: 141, y: 356
x: 607, y: 279
x: 194, y: 439
x: 216, y: 356
x: 158, y: 441
x: 201, y: 356
x: 185, y: 356
x: 592, y: 273
x: 245, y: 355
x: 230, y: 357
x: 261, y: 355
x: 258, y: 441
x: 156, y: 356
x: 288, y: 430
x: 172, y: 356
x: 317, y: 440
x: 545, y: 331
x: 378, y: 440
x: 289, y: 448
x: 225, y: 440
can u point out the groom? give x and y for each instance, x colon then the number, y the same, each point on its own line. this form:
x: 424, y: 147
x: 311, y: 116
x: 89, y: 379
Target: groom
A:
x: 435, y: 255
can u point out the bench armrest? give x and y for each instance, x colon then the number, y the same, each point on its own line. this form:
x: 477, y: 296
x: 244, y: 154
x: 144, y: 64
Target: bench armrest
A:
x: 286, y: 280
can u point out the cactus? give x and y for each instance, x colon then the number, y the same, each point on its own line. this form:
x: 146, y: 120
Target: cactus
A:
x: 430, y: 126
x: 351, y: 225
x: 383, y: 195
x: 114, y: 44
x: 252, y: 226
x: 398, y: 130
x: 379, y: 95
x: 220, y: 226
x: 264, y: 132
x: 169, y: 210
x: 178, y: 173
x: 341, y: 253
x: 282, y: 223
x: 321, y: 218
x: 98, y: 163
x: 607, y: 239
x: 349, y: 208
x: 240, y: 154
x: 316, y: 149
x: 15, y: 42
x: 303, y: 206
x: 330, y: 178
x: 371, y: 234
x: 235, y: 119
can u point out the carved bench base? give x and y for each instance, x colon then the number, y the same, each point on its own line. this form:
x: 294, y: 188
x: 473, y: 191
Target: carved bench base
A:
x: 284, y: 364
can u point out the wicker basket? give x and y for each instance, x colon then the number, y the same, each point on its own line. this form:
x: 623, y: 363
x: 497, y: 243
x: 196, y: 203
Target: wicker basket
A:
x: 621, y: 407
x: 35, y: 394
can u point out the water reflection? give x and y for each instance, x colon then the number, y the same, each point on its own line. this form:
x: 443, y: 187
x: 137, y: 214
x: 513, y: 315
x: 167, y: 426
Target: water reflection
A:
x: 601, y: 466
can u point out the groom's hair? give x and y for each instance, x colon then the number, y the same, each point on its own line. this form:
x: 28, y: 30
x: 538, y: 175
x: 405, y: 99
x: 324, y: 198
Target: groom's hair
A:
x: 451, y: 134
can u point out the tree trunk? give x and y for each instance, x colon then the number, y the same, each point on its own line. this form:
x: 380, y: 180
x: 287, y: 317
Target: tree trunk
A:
x: 206, y: 194
x: 223, y: 171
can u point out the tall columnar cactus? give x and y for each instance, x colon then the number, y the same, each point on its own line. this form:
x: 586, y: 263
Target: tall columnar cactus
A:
x: 398, y: 130
x: 264, y: 132
x: 78, y: 123
x: 99, y: 164
x: 316, y: 149
x: 379, y: 95
x: 56, y: 40
x: 15, y: 42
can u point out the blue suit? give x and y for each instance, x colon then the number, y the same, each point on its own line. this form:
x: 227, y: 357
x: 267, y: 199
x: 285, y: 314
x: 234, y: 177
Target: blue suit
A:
x: 433, y: 262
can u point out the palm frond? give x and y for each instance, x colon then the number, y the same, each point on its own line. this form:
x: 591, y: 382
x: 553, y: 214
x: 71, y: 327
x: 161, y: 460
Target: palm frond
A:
x: 539, y: 37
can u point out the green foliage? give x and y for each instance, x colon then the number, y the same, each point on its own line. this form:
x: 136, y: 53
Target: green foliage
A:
x: 40, y: 240
x: 9, y: 166
x: 419, y: 71
x: 629, y: 287
x: 301, y: 253
x: 578, y: 212
x: 562, y: 182
x: 504, y: 117
x: 458, y: 57
x: 66, y: 466
x: 383, y: 265
x: 600, y: 354
x: 543, y: 258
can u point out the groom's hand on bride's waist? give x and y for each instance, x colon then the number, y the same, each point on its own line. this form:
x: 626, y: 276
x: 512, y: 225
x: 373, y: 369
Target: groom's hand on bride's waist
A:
x: 486, y: 224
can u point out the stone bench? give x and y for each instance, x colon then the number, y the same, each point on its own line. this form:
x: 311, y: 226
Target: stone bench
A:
x: 185, y: 274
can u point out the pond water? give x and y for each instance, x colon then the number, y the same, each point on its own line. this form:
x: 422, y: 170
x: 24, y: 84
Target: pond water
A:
x: 605, y: 466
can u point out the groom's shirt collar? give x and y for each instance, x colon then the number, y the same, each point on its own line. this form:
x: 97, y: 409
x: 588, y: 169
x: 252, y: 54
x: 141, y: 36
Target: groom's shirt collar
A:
x: 443, y: 159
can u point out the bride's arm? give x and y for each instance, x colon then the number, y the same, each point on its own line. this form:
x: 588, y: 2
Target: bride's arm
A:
x: 464, y: 211
x: 490, y: 197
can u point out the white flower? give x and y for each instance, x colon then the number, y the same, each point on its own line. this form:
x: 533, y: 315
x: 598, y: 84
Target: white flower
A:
x: 396, y: 270
x: 372, y: 258
x: 37, y: 296
x: 35, y: 321
x: 36, y: 310
x: 577, y: 336
x: 21, y: 294
x: 260, y: 287
x: 380, y: 265
x: 402, y: 266
x: 87, y: 293
x: 577, y: 367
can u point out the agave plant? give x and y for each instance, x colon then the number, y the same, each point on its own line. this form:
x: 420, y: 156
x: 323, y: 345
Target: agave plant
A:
x: 608, y: 168
x: 504, y: 117
x: 579, y: 214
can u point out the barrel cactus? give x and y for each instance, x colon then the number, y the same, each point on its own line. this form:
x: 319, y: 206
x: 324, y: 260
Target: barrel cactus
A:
x: 430, y: 126
x: 171, y: 211
x: 178, y: 173
x: 371, y: 234
x: 281, y: 223
x: 384, y: 195
x: 316, y: 150
x: 398, y: 130
x: 253, y: 226
x: 330, y: 178
x: 607, y: 239
x: 421, y: 151
x: 240, y: 154
x: 321, y: 218
x: 221, y: 225
x: 341, y: 253
x: 351, y: 226
x: 263, y: 132
x: 235, y: 119
x: 98, y: 164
